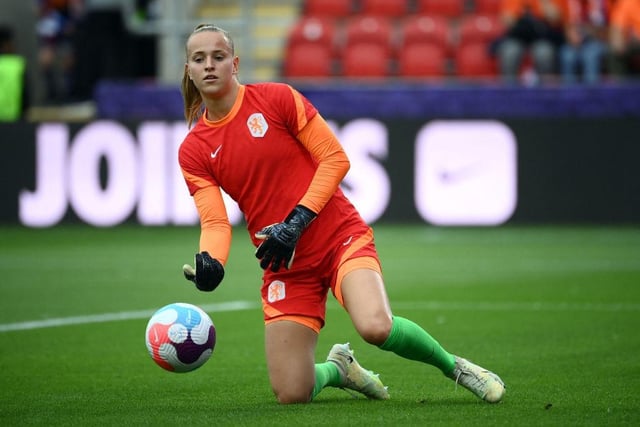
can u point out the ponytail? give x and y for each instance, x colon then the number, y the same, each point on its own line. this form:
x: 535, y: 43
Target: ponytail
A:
x: 192, y: 100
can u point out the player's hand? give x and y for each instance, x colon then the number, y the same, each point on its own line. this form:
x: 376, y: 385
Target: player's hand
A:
x: 207, y: 274
x: 279, y: 246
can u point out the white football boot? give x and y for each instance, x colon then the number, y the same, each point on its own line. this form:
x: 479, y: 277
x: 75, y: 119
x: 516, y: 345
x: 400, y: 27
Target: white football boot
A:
x: 354, y: 376
x: 481, y: 382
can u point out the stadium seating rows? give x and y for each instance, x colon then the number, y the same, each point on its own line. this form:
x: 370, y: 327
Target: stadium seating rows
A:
x: 383, y: 38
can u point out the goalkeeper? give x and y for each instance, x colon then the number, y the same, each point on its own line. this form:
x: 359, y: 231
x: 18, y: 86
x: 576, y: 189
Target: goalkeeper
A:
x: 269, y: 149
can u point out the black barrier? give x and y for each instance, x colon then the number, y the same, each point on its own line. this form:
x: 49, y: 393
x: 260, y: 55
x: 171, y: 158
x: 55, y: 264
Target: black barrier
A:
x: 441, y: 172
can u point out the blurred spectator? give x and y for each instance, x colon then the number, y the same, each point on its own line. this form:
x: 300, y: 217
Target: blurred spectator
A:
x: 106, y: 49
x: 147, y: 10
x: 55, y: 28
x: 586, y: 41
x: 624, y: 37
x: 533, y: 28
x: 12, y: 79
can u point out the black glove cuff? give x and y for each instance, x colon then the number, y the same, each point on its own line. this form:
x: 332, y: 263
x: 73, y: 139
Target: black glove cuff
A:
x: 301, y: 216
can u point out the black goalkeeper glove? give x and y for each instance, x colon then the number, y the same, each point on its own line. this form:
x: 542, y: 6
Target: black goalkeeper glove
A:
x: 208, y: 272
x: 279, y: 246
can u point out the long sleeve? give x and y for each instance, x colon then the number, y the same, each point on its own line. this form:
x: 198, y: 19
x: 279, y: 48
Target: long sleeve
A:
x: 215, y: 229
x: 333, y: 163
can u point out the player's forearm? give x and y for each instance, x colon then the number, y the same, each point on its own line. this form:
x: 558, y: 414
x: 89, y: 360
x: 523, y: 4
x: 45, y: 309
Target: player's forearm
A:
x: 215, y: 229
x: 216, y: 241
x: 333, y: 163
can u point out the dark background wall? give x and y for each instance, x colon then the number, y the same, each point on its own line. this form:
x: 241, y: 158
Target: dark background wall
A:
x: 569, y: 170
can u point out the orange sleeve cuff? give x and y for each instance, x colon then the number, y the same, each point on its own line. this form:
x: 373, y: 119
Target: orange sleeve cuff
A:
x: 333, y: 163
x: 215, y: 229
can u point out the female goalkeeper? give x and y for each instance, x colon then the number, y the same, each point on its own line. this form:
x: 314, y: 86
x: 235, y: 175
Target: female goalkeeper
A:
x: 271, y: 151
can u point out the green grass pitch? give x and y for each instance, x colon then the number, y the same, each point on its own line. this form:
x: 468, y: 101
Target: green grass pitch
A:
x: 554, y: 310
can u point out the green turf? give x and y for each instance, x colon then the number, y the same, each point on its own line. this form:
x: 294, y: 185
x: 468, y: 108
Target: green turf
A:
x: 554, y: 310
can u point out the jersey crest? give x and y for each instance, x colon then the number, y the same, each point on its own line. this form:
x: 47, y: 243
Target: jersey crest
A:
x: 257, y: 125
x: 276, y: 291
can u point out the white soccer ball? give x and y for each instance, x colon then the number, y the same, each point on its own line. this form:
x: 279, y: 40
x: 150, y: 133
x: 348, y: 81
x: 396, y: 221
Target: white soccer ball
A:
x: 180, y: 337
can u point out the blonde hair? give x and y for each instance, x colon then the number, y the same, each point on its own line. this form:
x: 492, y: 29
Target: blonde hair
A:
x: 190, y: 94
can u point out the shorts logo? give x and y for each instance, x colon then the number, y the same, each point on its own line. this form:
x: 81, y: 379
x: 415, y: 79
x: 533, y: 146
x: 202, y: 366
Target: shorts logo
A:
x: 276, y: 291
x: 257, y: 125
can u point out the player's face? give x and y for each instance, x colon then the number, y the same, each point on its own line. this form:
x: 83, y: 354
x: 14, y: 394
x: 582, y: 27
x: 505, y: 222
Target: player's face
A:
x: 210, y: 64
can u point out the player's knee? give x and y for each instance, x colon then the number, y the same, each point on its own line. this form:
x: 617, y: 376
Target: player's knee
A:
x: 289, y: 396
x: 376, y: 330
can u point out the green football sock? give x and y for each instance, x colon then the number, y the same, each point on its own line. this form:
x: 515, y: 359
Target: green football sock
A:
x: 327, y: 375
x: 410, y: 341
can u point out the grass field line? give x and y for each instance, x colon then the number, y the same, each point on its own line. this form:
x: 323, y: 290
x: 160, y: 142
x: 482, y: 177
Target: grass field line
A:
x: 516, y: 306
x: 111, y: 317
x: 403, y: 305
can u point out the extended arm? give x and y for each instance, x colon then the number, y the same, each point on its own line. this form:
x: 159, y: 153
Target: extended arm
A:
x: 278, y: 248
x: 215, y: 240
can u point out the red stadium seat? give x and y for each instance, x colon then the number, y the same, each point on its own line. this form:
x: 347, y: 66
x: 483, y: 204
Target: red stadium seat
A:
x: 308, y: 60
x: 422, y: 60
x: 421, y: 29
x: 473, y: 60
x: 328, y: 8
x: 446, y: 8
x: 365, y: 60
x: 369, y: 29
x: 481, y: 28
x: 487, y: 7
x: 313, y: 30
x: 388, y: 8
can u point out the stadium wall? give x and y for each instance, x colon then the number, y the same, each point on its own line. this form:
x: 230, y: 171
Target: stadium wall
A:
x: 450, y: 172
x: 140, y: 101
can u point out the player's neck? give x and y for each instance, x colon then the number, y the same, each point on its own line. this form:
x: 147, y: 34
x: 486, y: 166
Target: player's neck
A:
x: 218, y: 108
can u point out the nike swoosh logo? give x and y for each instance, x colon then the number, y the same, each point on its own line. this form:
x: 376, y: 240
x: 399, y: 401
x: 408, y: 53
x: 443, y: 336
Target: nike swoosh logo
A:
x: 346, y: 242
x: 215, y: 153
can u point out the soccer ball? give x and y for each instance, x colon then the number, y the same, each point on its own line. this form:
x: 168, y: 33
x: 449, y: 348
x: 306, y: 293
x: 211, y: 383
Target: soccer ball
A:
x: 180, y: 337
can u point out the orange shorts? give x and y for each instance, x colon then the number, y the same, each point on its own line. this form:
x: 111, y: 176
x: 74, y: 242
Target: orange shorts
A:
x: 300, y: 295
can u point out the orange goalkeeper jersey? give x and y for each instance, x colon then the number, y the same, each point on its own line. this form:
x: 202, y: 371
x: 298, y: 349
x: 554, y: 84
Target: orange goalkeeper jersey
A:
x: 270, y: 153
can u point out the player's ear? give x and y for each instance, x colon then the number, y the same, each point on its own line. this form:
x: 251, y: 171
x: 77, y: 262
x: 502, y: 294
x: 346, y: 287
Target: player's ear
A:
x: 186, y: 71
x: 236, y: 65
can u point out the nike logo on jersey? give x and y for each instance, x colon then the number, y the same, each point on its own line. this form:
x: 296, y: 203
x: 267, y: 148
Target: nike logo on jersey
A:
x: 346, y: 242
x: 215, y: 153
